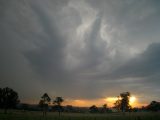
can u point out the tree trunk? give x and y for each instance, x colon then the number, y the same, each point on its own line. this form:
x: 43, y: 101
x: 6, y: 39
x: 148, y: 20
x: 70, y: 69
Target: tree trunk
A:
x: 59, y: 113
x: 44, y: 112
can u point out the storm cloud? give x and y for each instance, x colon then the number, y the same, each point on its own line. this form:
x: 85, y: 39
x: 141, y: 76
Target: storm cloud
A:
x: 80, y: 48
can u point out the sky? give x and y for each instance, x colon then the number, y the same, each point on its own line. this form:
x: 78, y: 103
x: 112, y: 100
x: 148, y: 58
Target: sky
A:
x: 87, y: 51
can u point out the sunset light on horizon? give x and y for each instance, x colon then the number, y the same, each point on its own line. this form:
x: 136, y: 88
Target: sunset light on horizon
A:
x: 100, y: 102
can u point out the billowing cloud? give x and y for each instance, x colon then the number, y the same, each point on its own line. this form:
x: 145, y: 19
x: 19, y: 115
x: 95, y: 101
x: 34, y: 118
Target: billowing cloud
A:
x: 143, y: 65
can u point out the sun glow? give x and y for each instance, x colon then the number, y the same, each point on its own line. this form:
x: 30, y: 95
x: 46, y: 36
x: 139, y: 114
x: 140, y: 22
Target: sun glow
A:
x: 112, y: 100
x: 85, y: 102
x: 99, y: 102
x: 132, y: 100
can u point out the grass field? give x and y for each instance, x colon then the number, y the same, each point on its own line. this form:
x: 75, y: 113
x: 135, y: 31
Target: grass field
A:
x: 19, y: 115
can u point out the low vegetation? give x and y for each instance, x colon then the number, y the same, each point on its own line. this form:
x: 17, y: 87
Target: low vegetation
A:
x: 30, y: 115
x: 12, y: 109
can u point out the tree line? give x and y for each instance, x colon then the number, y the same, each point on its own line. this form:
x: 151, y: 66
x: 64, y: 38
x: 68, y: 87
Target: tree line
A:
x: 46, y: 100
x: 9, y: 99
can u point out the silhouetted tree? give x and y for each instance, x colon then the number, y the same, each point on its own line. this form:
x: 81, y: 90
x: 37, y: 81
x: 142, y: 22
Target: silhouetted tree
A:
x: 117, y: 104
x: 123, y: 102
x: 8, y: 99
x: 93, y: 109
x: 154, y: 106
x: 1, y: 96
x: 43, y: 103
x: 57, y: 104
x: 69, y: 108
x: 104, y: 108
x: 125, y: 106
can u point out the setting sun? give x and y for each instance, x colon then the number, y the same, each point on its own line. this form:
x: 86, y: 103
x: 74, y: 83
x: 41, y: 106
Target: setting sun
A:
x: 112, y: 100
x: 132, y: 100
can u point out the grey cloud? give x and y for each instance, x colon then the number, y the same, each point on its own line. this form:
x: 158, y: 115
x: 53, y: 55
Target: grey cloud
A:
x: 28, y: 53
x: 48, y: 57
x: 94, y: 46
x: 132, y: 19
x: 36, y: 38
x: 143, y: 65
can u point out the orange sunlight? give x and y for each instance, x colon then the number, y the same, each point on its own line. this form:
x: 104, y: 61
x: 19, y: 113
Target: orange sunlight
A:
x: 112, y: 100
x: 85, y: 102
x: 132, y: 100
x: 99, y: 102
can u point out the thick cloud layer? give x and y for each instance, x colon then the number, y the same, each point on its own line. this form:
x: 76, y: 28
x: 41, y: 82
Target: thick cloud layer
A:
x: 80, y: 49
x: 143, y: 65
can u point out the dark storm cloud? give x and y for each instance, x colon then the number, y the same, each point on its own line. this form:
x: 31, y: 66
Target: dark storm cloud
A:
x: 79, y: 49
x: 143, y: 65
x: 49, y: 57
x: 30, y: 47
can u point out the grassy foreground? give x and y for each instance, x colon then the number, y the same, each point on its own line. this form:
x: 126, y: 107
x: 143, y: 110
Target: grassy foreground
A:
x: 19, y: 115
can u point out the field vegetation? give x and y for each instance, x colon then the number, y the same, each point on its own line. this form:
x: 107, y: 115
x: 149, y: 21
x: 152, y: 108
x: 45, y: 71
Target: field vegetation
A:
x: 37, y: 115
x: 12, y: 109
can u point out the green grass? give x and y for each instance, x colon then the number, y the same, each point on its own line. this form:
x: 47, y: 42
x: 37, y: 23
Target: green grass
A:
x: 19, y: 115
